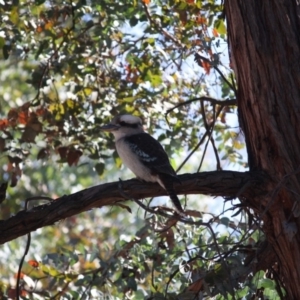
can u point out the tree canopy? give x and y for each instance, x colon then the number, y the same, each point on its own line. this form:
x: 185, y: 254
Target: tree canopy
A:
x: 67, y: 68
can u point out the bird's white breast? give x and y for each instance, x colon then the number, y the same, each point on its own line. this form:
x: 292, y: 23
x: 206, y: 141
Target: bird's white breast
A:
x: 131, y: 160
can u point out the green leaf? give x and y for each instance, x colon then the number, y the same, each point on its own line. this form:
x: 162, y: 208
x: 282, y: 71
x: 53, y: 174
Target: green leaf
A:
x: 242, y: 293
x: 50, y: 270
x: 100, y: 167
x: 155, y: 80
x: 128, y: 99
x: 225, y: 221
x: 2, y: 42
x: 238, y: 145
x: 266, y: 283
x: 14, y: 15
x: 220, y: 26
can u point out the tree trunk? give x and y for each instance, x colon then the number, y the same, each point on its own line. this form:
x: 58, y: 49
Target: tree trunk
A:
x: 264, y: 38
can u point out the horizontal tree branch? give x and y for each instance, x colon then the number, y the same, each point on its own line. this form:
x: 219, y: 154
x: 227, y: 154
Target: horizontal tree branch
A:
x: 217, y: 183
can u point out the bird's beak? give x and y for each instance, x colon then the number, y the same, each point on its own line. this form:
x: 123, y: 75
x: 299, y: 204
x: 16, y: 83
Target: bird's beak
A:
x: 109, y: 127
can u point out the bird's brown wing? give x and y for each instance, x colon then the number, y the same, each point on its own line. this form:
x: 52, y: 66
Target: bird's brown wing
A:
x: 151, y: 153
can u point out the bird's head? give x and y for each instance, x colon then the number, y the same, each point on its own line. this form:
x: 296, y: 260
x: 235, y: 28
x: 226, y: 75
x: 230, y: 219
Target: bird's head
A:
x: 124, y: 125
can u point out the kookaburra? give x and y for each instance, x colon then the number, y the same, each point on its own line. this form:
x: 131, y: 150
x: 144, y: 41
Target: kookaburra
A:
x: 143, y: 154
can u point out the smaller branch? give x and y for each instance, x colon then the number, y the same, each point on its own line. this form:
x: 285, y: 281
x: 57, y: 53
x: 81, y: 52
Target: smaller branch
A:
x: 222, y: 259
x: 160, y: 29
x: 203, y: 115
x: 27, y: 244
x: 200, y: 142
x: 61, y: 292
x: 216, y: 153
x: 210, y: 129
x: 192, y: 152
x: 213, y: 143
x: 198, y: 56
x: 227, y: 102
x: 54, y: 55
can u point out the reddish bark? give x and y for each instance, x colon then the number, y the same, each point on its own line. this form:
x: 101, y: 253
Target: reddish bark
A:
x: 265, y: 48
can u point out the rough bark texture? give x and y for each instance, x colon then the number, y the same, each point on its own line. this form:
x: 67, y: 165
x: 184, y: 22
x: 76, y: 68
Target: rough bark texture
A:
x: 264, y: 39
x: 224, y: 183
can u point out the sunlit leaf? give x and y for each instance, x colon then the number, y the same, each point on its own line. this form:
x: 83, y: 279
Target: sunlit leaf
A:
x: 215, y: 32
x: 220, y: 26
x: 49, y: 25
x: 238, y: 145
x: 14, y: 15
x: 2, y: 42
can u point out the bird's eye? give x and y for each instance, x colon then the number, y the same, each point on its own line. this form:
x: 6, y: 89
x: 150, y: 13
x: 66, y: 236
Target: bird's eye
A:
x: 129, y: 125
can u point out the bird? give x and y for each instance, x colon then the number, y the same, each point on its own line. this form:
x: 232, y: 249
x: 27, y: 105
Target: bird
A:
x: 143, y: 154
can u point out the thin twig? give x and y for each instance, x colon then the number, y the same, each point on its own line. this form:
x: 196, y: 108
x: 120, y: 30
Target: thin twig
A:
x: 27, y: 243
x: 210, y: 138
x: 234, y: 86
x: 200, y: 142
x: 209, y: 129
x: 157, y: 26
x: 198, y: 56
x: 226, y: 102
x: 205, y: 148
x: 54, y: 54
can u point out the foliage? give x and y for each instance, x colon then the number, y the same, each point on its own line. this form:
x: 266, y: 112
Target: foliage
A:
x: 66, y: 68
x: 84, y: 62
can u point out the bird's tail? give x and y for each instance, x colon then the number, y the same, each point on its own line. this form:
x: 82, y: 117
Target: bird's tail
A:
x: 166, y: 181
